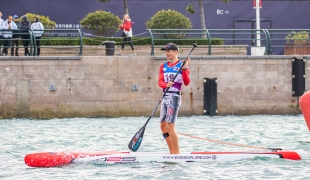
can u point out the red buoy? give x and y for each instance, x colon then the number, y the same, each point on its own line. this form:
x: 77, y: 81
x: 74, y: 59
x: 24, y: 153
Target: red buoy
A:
x: 304, y: 103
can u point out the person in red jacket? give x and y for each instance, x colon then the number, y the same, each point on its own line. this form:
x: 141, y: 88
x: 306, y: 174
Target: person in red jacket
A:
x: 127, y: 34
x: 172, y: 100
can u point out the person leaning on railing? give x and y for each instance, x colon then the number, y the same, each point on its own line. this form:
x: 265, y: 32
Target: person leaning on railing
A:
x: 36, y: 26
x: 15, y: 37
x: 7, y: 35
x: 25, y: 25
x: 1, y: 23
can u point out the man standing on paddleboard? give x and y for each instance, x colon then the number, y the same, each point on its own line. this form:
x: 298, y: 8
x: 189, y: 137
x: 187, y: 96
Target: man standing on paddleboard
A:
x: 172, y: 100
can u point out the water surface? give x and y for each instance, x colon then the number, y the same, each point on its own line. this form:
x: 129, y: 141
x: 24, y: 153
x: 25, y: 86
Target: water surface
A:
x: 22, y: 136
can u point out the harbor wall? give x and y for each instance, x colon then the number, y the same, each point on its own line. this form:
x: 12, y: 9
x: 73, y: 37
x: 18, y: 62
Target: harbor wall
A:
x: 110, y: 86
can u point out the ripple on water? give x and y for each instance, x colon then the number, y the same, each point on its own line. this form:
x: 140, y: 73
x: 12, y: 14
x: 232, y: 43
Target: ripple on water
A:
x: 22, y: 136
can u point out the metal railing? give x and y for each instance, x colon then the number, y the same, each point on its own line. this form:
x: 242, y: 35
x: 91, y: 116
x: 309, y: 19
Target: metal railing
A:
x: 72, y: 36
x: 272, y: 41
x: 280, y: 40
x: 18, y: 32
x: 178, y: 34
x: 50, y: 38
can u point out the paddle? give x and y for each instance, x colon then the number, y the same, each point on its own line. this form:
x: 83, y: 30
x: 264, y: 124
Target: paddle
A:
x: 136, y: 140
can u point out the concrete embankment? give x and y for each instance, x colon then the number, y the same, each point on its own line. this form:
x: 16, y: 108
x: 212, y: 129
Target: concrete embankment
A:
x: 104, y: 86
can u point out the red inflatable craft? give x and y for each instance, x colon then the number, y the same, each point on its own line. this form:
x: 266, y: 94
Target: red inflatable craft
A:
x: 304, y: 103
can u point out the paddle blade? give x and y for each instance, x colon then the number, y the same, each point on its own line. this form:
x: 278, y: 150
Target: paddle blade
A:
x: 136, y: 140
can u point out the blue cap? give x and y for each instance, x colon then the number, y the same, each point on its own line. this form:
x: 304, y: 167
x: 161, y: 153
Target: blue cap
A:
x: 15, y: 16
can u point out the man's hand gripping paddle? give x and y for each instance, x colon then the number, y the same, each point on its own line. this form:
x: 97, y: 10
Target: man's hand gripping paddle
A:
x: 136, y: 140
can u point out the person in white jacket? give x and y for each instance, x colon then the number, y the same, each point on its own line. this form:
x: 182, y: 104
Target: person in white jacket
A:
x: 38, y: 29
x: 7, y: 35
x: 1, y: 23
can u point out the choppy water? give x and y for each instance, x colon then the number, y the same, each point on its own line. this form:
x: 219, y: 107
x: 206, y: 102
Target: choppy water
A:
x: 19, y: 137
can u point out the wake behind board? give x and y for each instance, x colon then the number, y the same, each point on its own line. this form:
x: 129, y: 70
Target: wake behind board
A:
x: 55, y: 159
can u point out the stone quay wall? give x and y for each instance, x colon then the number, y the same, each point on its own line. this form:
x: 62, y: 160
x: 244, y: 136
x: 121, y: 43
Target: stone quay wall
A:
x: 111, y: 86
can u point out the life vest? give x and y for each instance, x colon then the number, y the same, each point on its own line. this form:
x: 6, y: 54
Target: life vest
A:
x: 170, y: 73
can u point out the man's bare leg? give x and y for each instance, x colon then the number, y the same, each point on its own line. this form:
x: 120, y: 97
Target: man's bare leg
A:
x: 163, y: 127
x: 172, y: 140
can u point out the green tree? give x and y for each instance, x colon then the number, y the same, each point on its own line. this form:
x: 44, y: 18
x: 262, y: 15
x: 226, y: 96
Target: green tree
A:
x: 191, y: 10
x: 125, y: 4
x: 47, y: 23
x: 169, y: 19
x: 101, y: 23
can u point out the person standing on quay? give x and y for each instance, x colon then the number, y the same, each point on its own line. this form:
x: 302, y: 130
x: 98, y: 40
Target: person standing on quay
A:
x: 172, y: 100
x: 7, y: 35
x: 15, y: 37
x: 1, y: 23
x: 25, y: 26
x: 37, y: 28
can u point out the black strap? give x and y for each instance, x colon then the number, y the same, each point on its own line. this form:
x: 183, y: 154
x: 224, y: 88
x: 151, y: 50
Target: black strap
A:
x: 177, y: 92
x: 165, y: 135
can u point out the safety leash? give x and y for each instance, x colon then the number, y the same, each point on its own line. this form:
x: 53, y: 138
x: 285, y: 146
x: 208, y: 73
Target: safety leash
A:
x: 223, y: 142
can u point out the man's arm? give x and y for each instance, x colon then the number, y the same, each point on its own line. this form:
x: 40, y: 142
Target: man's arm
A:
x: 161, y: 80
x: 185, y: 75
